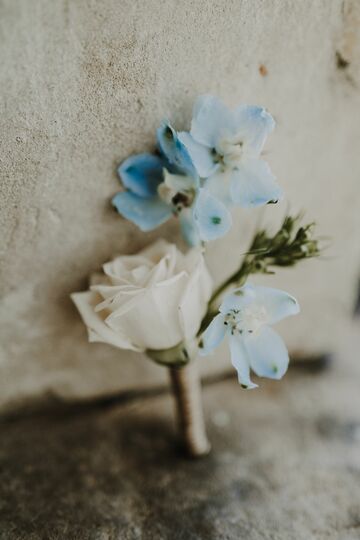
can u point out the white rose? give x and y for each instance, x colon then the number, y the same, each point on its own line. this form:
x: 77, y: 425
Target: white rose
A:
x: 153, y: 300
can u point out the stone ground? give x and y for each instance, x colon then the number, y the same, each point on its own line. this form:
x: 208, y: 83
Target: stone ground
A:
x: 285, y: 464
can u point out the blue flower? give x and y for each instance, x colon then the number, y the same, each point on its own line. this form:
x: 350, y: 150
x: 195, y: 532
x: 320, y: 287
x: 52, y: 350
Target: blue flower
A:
x: 244, y: 317
x: 225, y: 148
x: 175, y: 152
x: 158, y: 187
x: 140, y: 203
x: 210, y: 216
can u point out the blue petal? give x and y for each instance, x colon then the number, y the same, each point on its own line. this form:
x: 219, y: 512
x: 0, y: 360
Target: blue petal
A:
x: 238, y: 299
x: 268, y: 354
x: 174, y: 150
x: 142, y: 174
x: 147, y: 214
x: 218, y: 185
x: 210, y: 119
x: 201, y: 155
x: 188, y: 227
x: 213, y: 335
x: 278, y: 304
x: 253, y: 125
x: 240, y: 361
x: 253, y: 184
x: 212, y: 217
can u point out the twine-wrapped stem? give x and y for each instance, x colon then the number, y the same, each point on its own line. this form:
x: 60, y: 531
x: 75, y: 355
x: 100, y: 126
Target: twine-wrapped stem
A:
x: 187, y: 392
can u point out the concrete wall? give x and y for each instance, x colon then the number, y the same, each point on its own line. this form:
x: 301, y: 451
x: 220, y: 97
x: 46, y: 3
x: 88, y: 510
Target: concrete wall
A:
x: 85, y: 83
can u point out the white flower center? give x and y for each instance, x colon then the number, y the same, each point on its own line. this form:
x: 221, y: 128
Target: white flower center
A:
x: 177, y: 190
x: 166, y: 193
x: 178, y: 199
x: 230, y: 150
x: 246, y: 321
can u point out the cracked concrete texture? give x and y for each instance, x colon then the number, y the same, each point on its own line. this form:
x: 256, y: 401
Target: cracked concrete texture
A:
x: 285, y: 465
x: 85, y: 84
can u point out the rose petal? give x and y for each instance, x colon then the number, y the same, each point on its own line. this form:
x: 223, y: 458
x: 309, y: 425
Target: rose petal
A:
x: 96, y: 326
x: 196, y: 295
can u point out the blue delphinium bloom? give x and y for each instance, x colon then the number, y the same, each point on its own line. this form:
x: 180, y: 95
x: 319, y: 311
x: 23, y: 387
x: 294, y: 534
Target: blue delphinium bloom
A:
x: 244, y: 317
x: 140, y: 203
x: 160, y: 186
x: 225, y: 147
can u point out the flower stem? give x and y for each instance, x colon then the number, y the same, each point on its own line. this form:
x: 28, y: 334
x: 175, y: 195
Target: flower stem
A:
x: 289, y: 245
x: 238, y: 278
x: 187, y: 391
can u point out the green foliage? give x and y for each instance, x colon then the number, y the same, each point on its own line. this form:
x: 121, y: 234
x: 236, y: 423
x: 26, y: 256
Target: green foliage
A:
x: 291, y: 244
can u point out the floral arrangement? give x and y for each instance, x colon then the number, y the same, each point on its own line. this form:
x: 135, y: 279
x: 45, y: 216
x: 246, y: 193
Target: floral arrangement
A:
x: 160, y: 301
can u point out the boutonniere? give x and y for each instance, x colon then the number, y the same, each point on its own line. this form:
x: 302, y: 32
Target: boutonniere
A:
x: 161, y: 301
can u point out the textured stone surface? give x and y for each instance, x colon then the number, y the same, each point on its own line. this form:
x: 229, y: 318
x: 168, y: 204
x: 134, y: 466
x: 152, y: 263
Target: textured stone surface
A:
x: 84, y: 84
x: 285, y: 465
